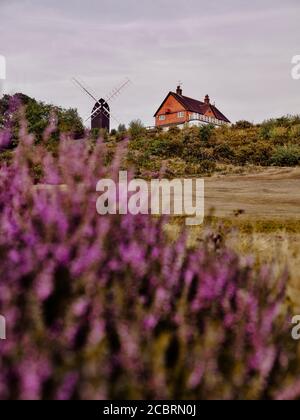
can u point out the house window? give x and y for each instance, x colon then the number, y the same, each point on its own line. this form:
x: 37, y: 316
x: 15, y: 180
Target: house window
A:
x: 162, y: 117
x: 180, y: 114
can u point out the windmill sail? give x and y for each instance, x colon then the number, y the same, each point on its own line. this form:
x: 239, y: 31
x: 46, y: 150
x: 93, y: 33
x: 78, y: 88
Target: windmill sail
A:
x: 100, y: 116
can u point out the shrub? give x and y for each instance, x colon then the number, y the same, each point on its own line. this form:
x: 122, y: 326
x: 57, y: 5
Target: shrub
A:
x: 174, y: 131
x: 279, y: 135
x: 243, y: 124
x: 243, y: 154
x: 175, y: 167
x: 164, y: 146
x: 286, y: 156
x: 107, y: 307
x: 223, y: 151
x: 136, y: 129
x: 194, y: 153
x: 295, y: 132
x: 264, y: 132
x: 207, y: 166
x: 205, y: 133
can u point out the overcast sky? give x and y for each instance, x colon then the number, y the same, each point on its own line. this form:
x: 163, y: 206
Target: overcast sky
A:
x: 238, y: 52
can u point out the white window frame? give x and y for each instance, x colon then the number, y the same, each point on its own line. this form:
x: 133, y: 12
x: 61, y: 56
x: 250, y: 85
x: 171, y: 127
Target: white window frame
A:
x: 180, y: 114
x: 162, y: 117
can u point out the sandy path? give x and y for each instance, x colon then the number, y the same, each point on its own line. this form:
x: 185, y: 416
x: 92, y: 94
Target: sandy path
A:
x: 271, y: 194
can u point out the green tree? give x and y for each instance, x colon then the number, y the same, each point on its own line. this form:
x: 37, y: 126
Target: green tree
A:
x: 38, y: 116
x: 136, y: 129
x: 122, y: 128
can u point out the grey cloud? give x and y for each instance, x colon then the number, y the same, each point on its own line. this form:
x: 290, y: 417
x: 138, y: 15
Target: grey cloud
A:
x: 238, y: 52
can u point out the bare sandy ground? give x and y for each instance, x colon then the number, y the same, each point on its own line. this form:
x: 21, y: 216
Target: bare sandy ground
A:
x: 271, y: 194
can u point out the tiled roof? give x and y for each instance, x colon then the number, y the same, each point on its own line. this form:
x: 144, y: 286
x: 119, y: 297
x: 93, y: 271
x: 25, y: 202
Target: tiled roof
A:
x: 200, y: 107
x: 194, y: 105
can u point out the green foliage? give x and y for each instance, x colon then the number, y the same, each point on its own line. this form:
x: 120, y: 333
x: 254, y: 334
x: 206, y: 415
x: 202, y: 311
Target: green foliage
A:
x: 278, y: 135
x: 6, y: 156
x: 136, y: 129
x: 199, y: 150
x: 207, y: 166
x: 243, y: 124
x: 122, y: 128
x: 190, y: 151
x: 295, y: 133
x: 176, y: 167
x: 205, y: 133
x: 224, y: 151
x: 38, y: 115
x: 95, y: 133
x: 286, y: 156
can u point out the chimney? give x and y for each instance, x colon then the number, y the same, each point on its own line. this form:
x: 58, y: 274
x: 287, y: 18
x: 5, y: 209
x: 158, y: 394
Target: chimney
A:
x: 207, y: 100
x: 179, y: 90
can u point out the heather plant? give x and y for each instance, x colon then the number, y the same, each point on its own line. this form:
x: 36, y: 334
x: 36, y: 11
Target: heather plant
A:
x: 109, y: 307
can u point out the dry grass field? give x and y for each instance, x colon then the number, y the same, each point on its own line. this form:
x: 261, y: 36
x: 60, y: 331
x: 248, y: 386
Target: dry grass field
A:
x: 268, y: 227
x: 271, y: 194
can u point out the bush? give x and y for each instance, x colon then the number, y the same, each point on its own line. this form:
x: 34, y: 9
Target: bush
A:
x: 207, y: 166
x: 174, y: 131
x: 136, y: 129
x: 243, y: 124
x: 223, y: 151
x: 286, y: 156
x: 253, y: 145
x: 175, y: 167
x: 107, y: 307
x: 243, y: 155
x: 279, y: 135
x: 295, y: 133
x: 205, y: 133
x: 261, y: 154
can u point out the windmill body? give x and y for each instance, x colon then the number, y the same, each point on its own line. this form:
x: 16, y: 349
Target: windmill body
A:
x: 100, y: 117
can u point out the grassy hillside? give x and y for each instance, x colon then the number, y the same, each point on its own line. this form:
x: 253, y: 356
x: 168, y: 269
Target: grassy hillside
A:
x: 194, y: 151
x: 188, y: 152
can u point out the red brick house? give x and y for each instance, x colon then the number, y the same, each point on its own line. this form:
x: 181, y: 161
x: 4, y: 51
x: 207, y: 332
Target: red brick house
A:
x: 179, y: 110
